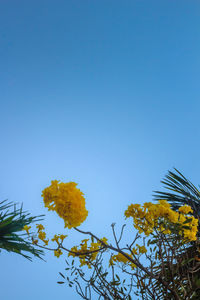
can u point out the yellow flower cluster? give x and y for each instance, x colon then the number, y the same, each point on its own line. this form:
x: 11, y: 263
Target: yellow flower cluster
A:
x: 121, y: 258
x: 160, y: 216
x: 41, y: 235
x: 141, y: 249
x: 85, y: 248
x: 35, y: 242
x: 58, y: 238
x: 67, y: 200
x: 58, y: 253
x: 185, y: 209
x: 39, y: 227
x: 27, y: 228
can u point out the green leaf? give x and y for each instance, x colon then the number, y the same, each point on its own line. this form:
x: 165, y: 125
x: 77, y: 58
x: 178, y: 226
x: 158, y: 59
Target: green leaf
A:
x: 186, y: 227
x: 187, y: 221
x: 62, y: 275
x: 11, y: 234
x: 117, y: 277
x: 197, y: 281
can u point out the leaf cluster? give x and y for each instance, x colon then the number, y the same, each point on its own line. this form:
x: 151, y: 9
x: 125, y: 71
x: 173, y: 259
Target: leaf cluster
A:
x: 12, y: 238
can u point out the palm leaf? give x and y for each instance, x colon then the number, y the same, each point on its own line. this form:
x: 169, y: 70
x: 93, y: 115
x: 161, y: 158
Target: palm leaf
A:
x: 182, y: 192
x: 12, y: 238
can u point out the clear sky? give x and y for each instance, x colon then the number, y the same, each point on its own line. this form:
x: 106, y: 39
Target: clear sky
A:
x: 104, y: 93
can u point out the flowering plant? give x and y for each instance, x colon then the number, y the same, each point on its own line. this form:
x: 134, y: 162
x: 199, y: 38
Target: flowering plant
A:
x: 161, y: 261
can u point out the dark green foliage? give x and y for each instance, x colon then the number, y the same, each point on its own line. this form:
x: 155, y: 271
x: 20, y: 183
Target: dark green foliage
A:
x: 12, y: 238
x: 182, y: 192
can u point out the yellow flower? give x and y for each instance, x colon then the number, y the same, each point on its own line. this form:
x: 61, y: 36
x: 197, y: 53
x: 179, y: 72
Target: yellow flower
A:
x: 104, y: 240
x: 173, y: 216
x: 26, y: 228
x: 62, y: 237
x: 122, y: 259
x: 58, y: 253
x: 85, y: 248
x: 39, y: 227
x: 134, y: 251
x: 46, y: 242
x: 35, y: 242
x: 42, y: 235
x: 185, y: 209
x: 73, y: 249
x: 161, y: 217
x: 167, y: 231
x: 164, y: 203
x: 67, y: 200
x: 147, y: 204
x: 141, y: 249
x: 55, y: 239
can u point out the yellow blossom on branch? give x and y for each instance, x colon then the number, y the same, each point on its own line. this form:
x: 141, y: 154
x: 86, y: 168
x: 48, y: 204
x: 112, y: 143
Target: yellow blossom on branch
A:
x: 185, y: 209
x: 27, y: 228
x: 42, y: 235
x: 62, y: 237
x: 67, y: 200
x: 122, y: 259
x: 90, y: 251
x: 39, y: 227
x: 58, y: 253
x: 55, y: 239
x: 58, y: 237
x: 141, y: 249
x: 161, y: 217
x: 35, y: 242
x: 46, y: 242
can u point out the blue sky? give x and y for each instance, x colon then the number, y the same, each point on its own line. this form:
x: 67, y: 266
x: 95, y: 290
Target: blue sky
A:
x: 104, y: 93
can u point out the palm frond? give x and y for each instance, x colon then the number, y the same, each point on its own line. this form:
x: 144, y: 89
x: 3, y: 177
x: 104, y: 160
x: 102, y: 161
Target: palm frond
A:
x: 12, y: 238
x: 182, y: 191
